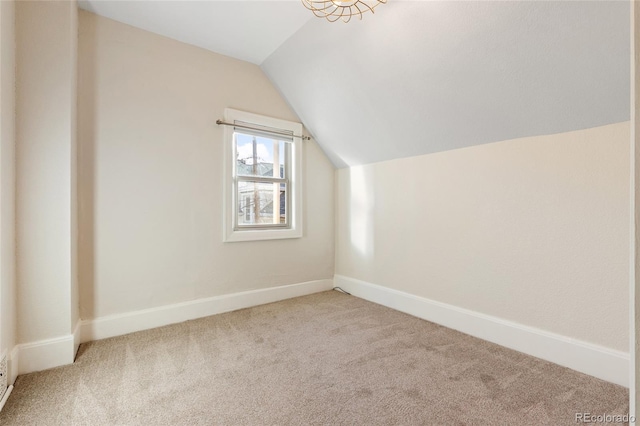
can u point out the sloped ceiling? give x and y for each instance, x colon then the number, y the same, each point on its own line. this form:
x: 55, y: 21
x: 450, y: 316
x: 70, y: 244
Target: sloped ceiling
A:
x: 418, y: 76
x: 247, y: 30
x: 423, y: 77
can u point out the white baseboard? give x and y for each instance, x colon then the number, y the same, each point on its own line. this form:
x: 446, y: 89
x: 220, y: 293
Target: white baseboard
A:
x: 76, y: 338
x: 5, y: 397
x: 603, y: 363
x: 117, y: 325
x: 14, y: 362
x: 45, y: 354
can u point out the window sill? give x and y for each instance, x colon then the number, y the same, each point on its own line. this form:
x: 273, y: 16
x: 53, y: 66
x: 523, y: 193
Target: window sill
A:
x: 262, y: 235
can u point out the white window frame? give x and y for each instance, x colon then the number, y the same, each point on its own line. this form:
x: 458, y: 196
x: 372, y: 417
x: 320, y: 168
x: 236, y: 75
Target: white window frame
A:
x: 230, y: 204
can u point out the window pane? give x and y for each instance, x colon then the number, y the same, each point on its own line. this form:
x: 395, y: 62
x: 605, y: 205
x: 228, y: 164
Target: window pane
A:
x: 261, y: 203
x: 256, y: 155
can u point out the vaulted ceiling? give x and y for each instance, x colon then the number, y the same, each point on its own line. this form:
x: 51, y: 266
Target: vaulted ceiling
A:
x: 247, y: 30
x: 418, y: 77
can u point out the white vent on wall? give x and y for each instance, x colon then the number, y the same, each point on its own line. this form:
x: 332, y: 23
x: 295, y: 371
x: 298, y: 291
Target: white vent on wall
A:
x: 4, y: 389
x: 3, y: 374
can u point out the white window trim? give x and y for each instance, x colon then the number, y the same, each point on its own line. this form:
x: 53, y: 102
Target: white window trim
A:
x: 229, y: 201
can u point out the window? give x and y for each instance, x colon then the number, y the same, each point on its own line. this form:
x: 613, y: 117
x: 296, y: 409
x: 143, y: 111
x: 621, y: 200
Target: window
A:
x: 262, y: 178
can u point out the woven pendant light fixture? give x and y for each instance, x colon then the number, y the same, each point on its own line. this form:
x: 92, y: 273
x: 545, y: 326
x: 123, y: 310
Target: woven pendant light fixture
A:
x: 332, y: 10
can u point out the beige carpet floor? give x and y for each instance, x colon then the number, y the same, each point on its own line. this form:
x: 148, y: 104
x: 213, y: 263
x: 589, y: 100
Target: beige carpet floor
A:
x: 324, y: 359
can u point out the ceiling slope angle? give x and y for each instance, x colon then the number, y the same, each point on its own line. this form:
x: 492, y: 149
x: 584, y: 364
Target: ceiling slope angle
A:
x: 246, y: 30
x: 423, y: 77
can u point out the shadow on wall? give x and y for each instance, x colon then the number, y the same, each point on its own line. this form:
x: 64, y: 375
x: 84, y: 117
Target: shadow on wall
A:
x: 87, y: 76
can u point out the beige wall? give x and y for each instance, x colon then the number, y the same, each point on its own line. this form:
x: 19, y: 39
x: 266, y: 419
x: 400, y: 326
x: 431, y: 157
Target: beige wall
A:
x: 634, y: 293
x: 46, y: 40
x: 73, y: 165
x: 7, y: 176
x: 533, y: 230
x: 150, y: 176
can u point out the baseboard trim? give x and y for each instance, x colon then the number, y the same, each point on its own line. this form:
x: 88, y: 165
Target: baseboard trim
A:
x: 130, y: 322
x: 5, y: 397
x: 14, y: 362
x: 44, y: 354
x: 76, y: 338
x: 598, y: 361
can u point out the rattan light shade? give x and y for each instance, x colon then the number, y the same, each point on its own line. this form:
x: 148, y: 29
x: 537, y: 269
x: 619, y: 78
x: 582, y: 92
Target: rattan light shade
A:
x: 333, y: 10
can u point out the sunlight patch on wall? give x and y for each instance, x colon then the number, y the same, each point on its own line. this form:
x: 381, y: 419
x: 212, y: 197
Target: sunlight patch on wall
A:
x: 362, y: 203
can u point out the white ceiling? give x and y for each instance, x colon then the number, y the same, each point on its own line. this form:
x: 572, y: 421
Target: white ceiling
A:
x: 423, y: 77
x: 418, y: 77
x: 247, y: 30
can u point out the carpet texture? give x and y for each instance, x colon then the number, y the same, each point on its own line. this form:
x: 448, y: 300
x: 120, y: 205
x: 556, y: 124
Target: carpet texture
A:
x: 324, y: 359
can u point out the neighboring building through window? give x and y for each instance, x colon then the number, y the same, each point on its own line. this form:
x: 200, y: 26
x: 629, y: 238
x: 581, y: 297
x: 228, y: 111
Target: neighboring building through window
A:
x: 262, y: 178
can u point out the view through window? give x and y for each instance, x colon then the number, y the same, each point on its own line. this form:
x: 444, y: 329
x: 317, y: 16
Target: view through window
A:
x: 262, y: 177
x: 261, y: 181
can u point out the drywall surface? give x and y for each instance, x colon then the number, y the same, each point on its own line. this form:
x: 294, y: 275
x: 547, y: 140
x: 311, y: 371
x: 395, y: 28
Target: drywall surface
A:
x: 45, y: 126
x: 150, y: 176
x: 73, y: 177
x: 634, y: 282
x: 532, y: 230
x: 420, y: 77
x: 244, y: 30
x: 7, y: 177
